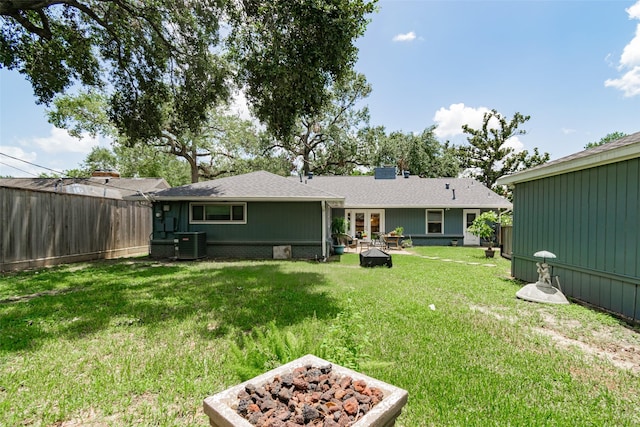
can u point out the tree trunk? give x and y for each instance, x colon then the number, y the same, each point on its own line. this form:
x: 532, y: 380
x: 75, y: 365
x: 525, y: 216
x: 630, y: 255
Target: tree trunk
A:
x: 193, y: 162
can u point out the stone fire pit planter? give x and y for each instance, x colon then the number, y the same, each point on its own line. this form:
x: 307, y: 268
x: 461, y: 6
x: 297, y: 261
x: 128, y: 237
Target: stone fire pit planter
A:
x: 221, y: 407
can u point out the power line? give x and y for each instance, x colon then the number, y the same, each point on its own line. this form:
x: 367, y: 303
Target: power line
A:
x: 21, y: 170
x: 32, y: 164
x: 105, y: 184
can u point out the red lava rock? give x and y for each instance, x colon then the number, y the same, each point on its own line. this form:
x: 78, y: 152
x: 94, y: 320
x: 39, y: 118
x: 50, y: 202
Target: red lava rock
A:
x: 340, y: 393
x: 345, y: 382
x: 359, y: 386
x: 312, y: 396
x: 334, y: 406
x: 328, y: 422
x: 300, y: 383
x: 351, y: 406
x: 344, y: 420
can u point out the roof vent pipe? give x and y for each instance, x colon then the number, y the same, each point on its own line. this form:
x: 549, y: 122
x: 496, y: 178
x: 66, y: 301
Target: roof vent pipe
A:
x: 406, y: 174
x: 446, y: 186
x: 310, y: 176
x: 454, y: 193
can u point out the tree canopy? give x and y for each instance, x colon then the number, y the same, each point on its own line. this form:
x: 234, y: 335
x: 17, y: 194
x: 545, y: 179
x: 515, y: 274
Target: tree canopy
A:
x: 226, y: 144
x: 610, y: 137
x: 166, y: 63
x: 488, y: 155
x: 327, y: 142
x: 421, y: 154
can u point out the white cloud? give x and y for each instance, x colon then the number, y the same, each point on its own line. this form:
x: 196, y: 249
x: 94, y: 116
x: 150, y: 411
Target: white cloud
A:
x: 629, y: 82
x: 449, y: 121
x: 408, y: 37
x: 59, y: 141
x: 13, y: 167
x: 634, y: 11
x: 515, y: 143
x: 631, y: 53
x: 568, y: 131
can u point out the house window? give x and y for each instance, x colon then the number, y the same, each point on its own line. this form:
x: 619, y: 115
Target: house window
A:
x: 213, y: 213
x: 435, y: 221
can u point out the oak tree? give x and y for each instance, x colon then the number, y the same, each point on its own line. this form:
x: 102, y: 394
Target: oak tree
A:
x: 166, y: 63
x: 489, y: 156
x: 420, y: 154
x: 328, y: 142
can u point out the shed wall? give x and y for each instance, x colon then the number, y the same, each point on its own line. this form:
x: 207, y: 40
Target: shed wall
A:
x: 590, y: 220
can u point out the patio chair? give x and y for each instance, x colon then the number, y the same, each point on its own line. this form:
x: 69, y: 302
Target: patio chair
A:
x: 383, y: 242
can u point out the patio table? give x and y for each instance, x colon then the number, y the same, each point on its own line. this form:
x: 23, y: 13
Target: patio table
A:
x: 393, y: 240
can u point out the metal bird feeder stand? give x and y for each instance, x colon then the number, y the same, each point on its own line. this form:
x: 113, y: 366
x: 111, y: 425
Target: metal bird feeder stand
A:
x: 543, y: 290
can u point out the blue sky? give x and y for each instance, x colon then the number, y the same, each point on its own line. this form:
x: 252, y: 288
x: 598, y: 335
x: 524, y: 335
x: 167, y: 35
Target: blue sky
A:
x: 573, y: 66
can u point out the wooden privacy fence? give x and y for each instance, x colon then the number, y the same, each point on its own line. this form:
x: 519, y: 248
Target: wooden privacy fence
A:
x: 506, y: 241
x: 47, y: 228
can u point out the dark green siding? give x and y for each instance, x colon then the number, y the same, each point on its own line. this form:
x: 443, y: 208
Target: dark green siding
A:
x: 590, y: 220
x: 268, y: 224
x: 413, y: 220
x: 415, y: 223
x: 453, y: 224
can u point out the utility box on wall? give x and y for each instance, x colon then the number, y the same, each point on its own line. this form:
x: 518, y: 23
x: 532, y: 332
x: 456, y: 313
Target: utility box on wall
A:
x: 191, y: 245
x: 282, y: 252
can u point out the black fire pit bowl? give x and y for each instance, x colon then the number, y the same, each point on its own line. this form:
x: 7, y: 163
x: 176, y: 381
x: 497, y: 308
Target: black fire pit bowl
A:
x: 374, y: 257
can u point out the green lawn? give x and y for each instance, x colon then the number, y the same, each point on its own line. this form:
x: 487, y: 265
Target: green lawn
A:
x: 137, y: 342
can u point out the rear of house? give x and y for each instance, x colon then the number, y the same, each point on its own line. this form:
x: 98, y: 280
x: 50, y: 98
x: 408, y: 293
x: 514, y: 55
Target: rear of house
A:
x: 258, y: 215
x: 262, y: 215
x: 432, y: 211
x: 585, y: 208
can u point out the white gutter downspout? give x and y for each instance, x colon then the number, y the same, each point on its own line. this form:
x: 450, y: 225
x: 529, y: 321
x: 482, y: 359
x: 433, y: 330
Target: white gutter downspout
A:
x: 324, y: 228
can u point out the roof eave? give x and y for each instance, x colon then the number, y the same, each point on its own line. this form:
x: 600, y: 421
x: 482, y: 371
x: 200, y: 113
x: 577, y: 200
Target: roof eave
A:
x: 433, y: 206
x: 598, y: 159
x: 156, y: 198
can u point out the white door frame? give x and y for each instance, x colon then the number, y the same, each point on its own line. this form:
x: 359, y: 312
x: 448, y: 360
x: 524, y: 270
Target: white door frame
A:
x: 469, y: 239
x: 350, y: 214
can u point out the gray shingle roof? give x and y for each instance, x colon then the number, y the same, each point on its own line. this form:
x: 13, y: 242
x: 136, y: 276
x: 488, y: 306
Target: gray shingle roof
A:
x: 259, y: 185
x: 109, y: 187
x: 354, y: 191
x: 615, y: 151
x: 412, y: 192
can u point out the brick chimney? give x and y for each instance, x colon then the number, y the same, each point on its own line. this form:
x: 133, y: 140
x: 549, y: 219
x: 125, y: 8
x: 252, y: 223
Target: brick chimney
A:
x: 110, y: 173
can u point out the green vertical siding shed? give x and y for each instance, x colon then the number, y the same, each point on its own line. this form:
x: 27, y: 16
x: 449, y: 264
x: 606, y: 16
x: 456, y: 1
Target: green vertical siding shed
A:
x: 590, y: 218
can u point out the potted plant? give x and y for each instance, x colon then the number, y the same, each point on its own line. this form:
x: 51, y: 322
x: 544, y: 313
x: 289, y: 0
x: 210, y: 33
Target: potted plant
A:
x: 399, y: 230
x: 482, y: 227
x: 339, y: 227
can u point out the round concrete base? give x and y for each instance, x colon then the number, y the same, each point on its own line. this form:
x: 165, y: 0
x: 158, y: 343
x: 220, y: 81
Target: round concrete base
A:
x: 541, y: 292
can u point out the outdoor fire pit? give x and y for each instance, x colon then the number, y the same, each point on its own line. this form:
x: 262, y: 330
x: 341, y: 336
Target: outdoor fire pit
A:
x: 385, y: 406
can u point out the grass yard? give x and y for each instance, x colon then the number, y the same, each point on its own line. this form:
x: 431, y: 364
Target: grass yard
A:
x: 138, y: 342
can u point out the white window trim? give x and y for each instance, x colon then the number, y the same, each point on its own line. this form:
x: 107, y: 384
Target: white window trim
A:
x: 426, y: 224
x: 243, y: 204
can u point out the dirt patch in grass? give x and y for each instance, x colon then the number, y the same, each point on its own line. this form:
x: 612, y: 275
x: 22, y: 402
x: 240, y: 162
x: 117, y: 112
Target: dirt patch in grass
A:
x: 618, y: 344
